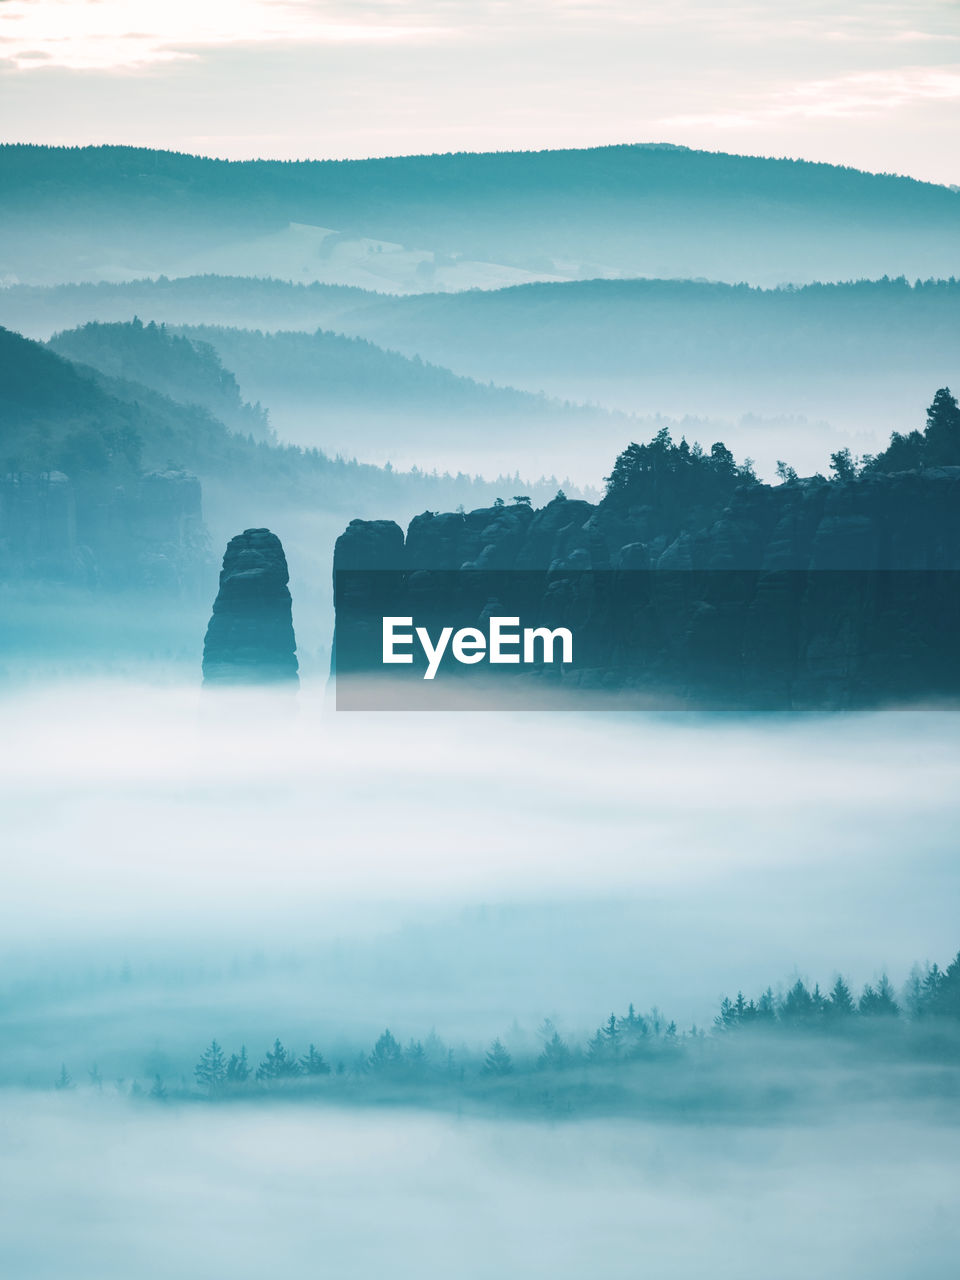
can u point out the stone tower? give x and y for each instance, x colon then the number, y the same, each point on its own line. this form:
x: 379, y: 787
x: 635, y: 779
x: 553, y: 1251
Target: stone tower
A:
x: 250, y: 638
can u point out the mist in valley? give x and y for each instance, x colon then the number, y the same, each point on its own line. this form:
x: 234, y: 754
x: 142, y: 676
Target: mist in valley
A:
x: 418, y: 1195
x: 183, y: 868
x: 552, y: 993
x: 462, y: 871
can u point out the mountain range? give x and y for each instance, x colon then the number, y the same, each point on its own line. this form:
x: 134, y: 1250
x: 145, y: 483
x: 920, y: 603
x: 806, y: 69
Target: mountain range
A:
x: 94, y: 213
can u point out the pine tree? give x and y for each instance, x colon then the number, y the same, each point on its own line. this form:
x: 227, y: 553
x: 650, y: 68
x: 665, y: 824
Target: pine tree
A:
x: 278, y: 1064
x: 843, y: 465
x: 839, y: 1002
x: 767, y: 1007
x: 238, y: 1069
x: 415, y: 1056
x: 211, y: 1070
x: 633, y: 1029
x: 597, y: 1047
x: 64, y: 1079
x: 879, y: 1002
x: 947, y: 997
x: 611, y: 1035
x: 158, y: 1092
x: 726, y: 1019
x: 798, y: 1005
x: 943, y: 431
x: 386, y: 1054
x: 556, y: 1055
x: 498, y: 1062
x: 314, y: 1063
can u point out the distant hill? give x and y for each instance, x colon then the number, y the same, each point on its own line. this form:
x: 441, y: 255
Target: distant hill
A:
x: 187, y: 371
x: 643, y: 345
x: 859, y: 355
x: 125, y: 457
x: 768, y: 368
x: 346, y: 394
x: 242, y: 302
x: 58, y: 415
x: 118, y: 212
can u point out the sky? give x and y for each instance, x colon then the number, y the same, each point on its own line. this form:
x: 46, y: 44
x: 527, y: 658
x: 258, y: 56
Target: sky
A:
x: 873, y: 85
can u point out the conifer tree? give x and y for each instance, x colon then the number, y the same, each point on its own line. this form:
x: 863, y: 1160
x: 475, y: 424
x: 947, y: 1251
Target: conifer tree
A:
x: 238, y: 1069
x: 498, y: 1061
x: 839, y: 1002
x: 387, y: 1053
x: 879, y: 1001
x: 943, y: 431
x: 211, y: 1070
x: 278, y: 1064
x: 556, y: 1055
x: 314, y: 1063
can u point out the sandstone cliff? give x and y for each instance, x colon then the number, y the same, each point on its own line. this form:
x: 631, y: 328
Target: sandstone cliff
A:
x: 808, y: 593
x: 250, y: 638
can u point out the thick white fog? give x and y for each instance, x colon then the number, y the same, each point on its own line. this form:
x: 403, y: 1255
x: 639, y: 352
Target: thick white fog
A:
x: 191, y: 1192
x: 267, y: 866
x: 181, y: 867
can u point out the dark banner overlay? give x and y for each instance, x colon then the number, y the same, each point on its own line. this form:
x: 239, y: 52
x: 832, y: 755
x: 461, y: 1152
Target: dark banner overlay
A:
x: 660, y: 639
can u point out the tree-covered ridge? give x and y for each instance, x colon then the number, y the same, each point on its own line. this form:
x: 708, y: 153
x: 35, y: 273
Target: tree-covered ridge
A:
x: 184, y: 369
x: 937, y: 445
x: 55, y: 415
x: 669, y: 477
x: 863, y: 307
x: 673, y: 477
x: 920, y: 1022
x: 676, y: 331
x: 325, y: 367
x: 31, y: 171
x: 633, y: 210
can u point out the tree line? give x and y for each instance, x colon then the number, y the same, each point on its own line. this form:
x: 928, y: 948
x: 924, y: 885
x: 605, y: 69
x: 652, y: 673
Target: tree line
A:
x: 928, y: 1000
x: 669, y: 476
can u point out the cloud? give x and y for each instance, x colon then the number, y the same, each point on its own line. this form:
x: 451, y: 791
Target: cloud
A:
x: 125, y: 34
x: 857, y: 95
x: 111, y: 35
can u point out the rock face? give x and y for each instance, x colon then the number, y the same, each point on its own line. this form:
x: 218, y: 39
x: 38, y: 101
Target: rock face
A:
x: 250, y: 638
x: 807, y: 594
x: 148, y: 533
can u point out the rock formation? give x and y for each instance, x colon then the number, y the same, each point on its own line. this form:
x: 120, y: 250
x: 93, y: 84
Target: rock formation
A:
x: 806, y: 594
x: 250, y: 638
x: 148, y: 532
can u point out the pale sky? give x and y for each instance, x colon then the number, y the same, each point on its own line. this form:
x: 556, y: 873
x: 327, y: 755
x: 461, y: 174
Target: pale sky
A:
x: 875, y: 85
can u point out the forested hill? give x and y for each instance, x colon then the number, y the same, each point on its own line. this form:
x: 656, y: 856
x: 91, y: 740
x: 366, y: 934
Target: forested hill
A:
x: 187, y: 371
x: 619, y: 327
x: 691, y: 583
x: 243, y: 302
x: 858, y: 355
x: 59, y: 415
x: 626, y: 210
x: 323, y: 368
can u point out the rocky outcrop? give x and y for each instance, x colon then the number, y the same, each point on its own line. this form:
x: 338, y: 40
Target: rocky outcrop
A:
x: 250, y: 638
x: 148, y: 532
x: 810, y: 593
